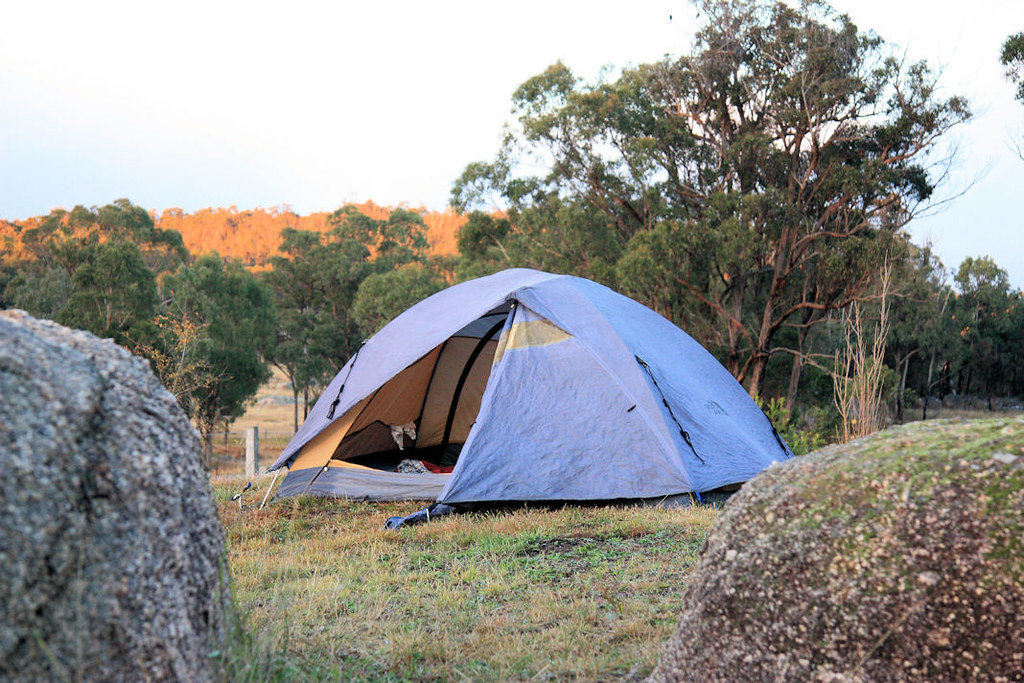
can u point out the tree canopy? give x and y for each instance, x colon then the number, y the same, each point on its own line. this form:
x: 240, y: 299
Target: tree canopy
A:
x: 97, y: 269
x: 741, y: 189
x: 314, y: 283
x: 234, y: 314
x: 1012, y: 58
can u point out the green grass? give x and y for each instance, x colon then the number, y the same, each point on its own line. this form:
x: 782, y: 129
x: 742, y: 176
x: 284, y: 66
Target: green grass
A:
x: 568, y: 594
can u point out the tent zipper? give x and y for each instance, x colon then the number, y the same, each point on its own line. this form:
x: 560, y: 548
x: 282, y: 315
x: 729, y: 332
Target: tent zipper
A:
x: 337, y: 399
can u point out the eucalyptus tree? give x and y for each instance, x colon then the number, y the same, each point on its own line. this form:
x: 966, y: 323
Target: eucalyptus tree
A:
x: 96, y: 269
x: 393, y: 241
x: 752, y: 185
x: 233, y: 315
x: 314, y: 282
x: 113, y: 295
x: 384, y: 295
x: 989, y: 315
x: 59, y: 237
x: 1012, y: 58
x: 110, y: 292
x: 317, y: 277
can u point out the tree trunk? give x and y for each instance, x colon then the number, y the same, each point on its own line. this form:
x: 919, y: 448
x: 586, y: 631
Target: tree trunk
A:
x: 798, y: 359
x: 794, y: 378
x: 760, y: 355
x: 928, y: 387
x: 757, y: 370
x: 735, y: 336
x: 902, y: 393
x: 768, y: 327
x: 207, y: 450
x: 295, y: 406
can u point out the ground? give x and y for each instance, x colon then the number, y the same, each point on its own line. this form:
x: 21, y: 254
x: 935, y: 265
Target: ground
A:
x: 566, y: 594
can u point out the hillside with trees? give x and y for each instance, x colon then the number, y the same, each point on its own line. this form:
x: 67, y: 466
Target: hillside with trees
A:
x: 254, y: 236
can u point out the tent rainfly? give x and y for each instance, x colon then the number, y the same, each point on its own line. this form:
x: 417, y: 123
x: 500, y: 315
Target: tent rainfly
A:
x: 528, y: 386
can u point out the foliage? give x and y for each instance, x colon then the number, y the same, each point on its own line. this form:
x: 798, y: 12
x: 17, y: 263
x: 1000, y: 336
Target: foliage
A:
x: 989, y: 318
x: 919, y: 330
x: 43, y: 292
x: 482, y: 236
x: 96, y: 269
x: 800, y: 440
x: 63, y: 236
x: 174, y: 355
x: 1012, y: 58
x: 384, y: 295
x: 332, y: 289
x: 397, y: 239
x: 254, y: 236
x: 314, y: 284
x: 740, y: 190
x: 236, y: 317
x: 318, y: 285
x: 113, y: 292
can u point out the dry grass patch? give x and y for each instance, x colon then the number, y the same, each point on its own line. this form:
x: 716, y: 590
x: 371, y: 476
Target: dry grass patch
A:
x: 566, y: 594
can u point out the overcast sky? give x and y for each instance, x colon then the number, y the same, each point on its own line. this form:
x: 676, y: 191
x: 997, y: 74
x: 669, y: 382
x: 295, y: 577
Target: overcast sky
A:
x: 312, y: 104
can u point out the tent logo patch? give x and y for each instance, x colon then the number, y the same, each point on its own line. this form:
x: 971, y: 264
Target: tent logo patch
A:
x: 715, y: 408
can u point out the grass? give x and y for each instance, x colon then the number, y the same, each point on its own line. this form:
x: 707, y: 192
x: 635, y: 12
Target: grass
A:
x: 527, y: 594
x: 576, y: 593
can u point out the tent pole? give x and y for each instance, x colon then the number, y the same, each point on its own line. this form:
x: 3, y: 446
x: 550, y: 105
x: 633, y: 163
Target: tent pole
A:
x: 430, y: 384
x: 269, y: 489
x: 464, y: 376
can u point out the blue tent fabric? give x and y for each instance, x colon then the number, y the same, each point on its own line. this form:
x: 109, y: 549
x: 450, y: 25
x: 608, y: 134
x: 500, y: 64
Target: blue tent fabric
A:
x: 401, y: 342
x: 592, y: 396
x: 555, y: 425
x: 728, y: 430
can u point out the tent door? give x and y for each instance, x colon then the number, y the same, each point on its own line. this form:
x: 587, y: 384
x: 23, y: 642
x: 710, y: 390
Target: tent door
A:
x: 462, y: 381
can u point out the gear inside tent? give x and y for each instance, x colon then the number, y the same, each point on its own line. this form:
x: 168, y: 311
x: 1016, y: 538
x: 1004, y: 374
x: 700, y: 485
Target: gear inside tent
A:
x: 529, y: 386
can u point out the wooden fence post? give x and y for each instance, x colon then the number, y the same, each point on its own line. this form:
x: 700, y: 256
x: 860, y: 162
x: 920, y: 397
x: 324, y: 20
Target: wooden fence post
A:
x: 252, y: 451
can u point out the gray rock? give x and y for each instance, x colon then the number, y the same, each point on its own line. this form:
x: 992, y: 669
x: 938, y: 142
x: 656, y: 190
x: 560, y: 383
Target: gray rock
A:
x: 899, y: 556
x: 112, y: 555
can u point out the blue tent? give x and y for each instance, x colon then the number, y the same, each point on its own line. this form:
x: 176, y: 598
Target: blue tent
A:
x: 530, y: 387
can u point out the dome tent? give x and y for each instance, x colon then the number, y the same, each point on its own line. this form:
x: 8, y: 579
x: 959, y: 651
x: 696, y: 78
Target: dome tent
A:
x: 534, y: 387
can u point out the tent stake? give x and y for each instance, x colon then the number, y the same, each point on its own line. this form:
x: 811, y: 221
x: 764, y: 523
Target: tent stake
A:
x: 269, y: 489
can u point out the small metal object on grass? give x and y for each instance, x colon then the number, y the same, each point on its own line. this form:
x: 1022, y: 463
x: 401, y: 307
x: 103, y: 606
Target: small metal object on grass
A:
x: 238, y: 496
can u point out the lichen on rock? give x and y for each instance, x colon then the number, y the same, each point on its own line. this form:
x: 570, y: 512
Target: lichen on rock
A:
x: 899, y: 556
x: 112, y: 554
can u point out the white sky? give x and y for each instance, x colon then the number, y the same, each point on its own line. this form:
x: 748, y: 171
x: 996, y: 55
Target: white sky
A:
x: 206, y: 103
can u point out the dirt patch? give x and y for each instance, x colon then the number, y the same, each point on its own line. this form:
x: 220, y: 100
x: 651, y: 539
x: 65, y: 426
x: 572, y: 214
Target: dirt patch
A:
x: 562, y: 544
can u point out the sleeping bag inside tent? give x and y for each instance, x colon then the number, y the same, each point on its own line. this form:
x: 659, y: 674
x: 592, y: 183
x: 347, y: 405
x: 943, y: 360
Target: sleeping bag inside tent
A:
x: 528, y: 386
